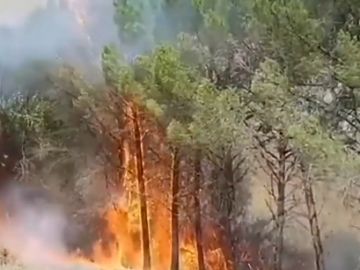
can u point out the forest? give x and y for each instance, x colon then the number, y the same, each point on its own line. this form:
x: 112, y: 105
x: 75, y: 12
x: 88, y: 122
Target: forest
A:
x: 201, y: 135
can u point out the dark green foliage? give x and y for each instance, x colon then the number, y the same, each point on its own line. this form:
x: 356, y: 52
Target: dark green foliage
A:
x: 29, y: 118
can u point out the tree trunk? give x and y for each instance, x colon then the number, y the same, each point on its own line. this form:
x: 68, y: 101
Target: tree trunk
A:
x: 313, y: 219
x: 280, y: 206
x: 280, y: 224
x: 141, y: 190
x: 229, y: 244
x: 197, y: 206
x: 174, y: 210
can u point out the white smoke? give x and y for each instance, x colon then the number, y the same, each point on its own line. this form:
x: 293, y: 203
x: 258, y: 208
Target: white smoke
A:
x: 34, y: 227
x: 52, y: 32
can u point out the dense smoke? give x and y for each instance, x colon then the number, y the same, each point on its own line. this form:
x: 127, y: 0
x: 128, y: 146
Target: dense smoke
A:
x: 55, y: 32
x: 34, y: 229
x: 41, y: 37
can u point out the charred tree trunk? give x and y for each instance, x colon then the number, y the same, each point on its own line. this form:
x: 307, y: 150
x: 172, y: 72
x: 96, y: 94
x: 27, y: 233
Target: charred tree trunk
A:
x: 141, y: 189
x: 174, y: 210
x: 313, y: 219
x: 281, y: 180
x: 197, y: 209
x: 227, y: 245
x: 228, y: 173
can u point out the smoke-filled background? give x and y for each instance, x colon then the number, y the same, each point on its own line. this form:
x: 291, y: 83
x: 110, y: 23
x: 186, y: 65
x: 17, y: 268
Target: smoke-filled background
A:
x: 15, y: 12
x: 55, y: 31
x: 36, y: 231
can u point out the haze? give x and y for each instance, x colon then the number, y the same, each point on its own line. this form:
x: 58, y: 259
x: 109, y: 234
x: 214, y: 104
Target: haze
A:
x: 15, y: 11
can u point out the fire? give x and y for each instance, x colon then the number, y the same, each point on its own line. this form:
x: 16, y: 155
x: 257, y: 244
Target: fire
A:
x: 119, y: 246
x: 123, y: 248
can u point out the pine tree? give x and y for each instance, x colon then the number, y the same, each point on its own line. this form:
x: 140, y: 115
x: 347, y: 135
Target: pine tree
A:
x: 130, y: 95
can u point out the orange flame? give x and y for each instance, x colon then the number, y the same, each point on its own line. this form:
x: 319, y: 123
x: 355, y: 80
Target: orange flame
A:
x: 120, y: 244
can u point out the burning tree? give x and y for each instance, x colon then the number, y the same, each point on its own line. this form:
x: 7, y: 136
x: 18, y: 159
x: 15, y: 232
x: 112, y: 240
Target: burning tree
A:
x: 157, y: 94
x: 163, y: 88
x: 262, y: 97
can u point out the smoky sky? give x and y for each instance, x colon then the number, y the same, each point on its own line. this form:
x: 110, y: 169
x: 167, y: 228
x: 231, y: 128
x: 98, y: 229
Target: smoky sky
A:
x: 51, y: 32
x: 13, y: 12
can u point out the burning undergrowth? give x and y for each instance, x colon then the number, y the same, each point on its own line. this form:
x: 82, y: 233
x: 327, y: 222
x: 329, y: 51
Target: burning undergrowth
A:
x: 146, y: 193
x: 107, y: 232
x: 36, y: 231
x: 133, y: 150
x: 39, y: 231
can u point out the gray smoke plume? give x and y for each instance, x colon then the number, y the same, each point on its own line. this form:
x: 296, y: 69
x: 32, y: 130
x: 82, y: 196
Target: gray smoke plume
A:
x: 53, y: 32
